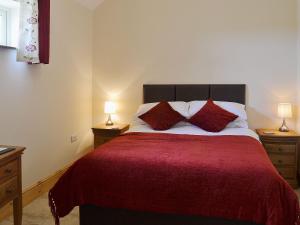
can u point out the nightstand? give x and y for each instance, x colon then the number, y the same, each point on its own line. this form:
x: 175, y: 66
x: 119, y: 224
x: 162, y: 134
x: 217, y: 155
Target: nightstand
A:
x: 105, y: 133
x: 11, y: 181
x: 282, y: 148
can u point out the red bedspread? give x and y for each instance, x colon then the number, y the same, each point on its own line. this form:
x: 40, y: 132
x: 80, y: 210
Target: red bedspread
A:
x: 228, y: 177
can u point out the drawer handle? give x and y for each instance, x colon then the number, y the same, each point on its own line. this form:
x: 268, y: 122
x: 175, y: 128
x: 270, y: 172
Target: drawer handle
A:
x: 280, y: 149
x: 7, y: 171
x: 279, y: 161
x: 8, y: 191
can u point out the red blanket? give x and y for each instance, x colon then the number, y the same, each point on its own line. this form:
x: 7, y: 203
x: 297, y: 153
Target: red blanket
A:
x: 228, y: 177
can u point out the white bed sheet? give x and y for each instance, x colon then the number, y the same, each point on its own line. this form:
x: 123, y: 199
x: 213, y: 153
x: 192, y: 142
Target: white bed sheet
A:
x: 193, y: 130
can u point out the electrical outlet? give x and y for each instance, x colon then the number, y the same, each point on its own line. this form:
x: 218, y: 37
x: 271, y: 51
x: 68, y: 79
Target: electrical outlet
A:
x: 74, y: 138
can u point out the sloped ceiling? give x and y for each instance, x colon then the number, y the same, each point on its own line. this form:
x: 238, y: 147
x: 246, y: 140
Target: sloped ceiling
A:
x: 91, y: 4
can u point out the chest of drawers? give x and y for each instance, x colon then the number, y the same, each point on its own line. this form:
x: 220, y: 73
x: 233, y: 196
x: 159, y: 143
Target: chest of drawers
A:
x: 11, y: 182
x: 282, y: 148
x: 103, y: 133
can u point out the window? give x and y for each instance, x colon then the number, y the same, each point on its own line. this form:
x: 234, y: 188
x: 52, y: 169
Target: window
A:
x: 9, y: 22
x: 25, y: 24
x: 3, y: 26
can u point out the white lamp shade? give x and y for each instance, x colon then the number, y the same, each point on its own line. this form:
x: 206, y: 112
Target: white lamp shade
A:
x: 109, y: 107
x: 285, y: 110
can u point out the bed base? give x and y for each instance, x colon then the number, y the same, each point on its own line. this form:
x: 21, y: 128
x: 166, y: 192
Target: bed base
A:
x: 94, y: 215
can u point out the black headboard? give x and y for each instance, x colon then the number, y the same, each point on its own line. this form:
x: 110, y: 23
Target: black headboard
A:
x: 191, y: 92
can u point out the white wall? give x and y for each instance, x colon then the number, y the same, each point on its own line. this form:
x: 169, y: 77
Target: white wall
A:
x: 196, y: 41
x: 43, y: 105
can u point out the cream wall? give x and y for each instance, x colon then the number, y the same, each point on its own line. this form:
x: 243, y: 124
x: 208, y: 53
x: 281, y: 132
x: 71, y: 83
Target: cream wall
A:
x: 43, y: 105
x: 196, y: 41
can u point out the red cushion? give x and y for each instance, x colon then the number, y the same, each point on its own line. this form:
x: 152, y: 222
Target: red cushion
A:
x: 212, y: 117
x: 162, y: 116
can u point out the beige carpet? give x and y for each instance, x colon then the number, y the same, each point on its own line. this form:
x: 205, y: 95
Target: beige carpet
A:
x: 38, y: 213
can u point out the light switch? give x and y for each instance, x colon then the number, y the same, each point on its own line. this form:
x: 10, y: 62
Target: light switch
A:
x: 74, y: 138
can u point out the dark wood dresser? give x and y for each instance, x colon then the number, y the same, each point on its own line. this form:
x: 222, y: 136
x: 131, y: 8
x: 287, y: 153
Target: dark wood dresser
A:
x: 11, y: 181
x: 283, y: 150
x: 103, y: 133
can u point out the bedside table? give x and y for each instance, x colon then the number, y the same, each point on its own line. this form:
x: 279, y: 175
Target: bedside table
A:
x: 282, y: 148
x: 105, y: 133
x: 11, y: 181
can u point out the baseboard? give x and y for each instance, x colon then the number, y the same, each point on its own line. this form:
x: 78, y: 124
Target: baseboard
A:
x: 34, y: 192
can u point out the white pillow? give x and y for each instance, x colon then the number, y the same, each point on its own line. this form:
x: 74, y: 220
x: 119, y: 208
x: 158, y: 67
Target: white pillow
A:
x: 195, y: 106
x: 181, y: 107
x: 237, y: 109
x: 233, y: 107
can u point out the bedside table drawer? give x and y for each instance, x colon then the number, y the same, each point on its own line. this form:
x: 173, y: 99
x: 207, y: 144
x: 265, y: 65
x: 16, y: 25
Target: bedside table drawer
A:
x: 280, y: 148
x: 277, y: 159
x: 8, y: 171
x: 8, y: 190
x: 287, y: 172
x: 293, y: 183
x: 101, y: 140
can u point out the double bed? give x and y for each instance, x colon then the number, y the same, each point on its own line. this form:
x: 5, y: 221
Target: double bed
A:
x: 183, y: 175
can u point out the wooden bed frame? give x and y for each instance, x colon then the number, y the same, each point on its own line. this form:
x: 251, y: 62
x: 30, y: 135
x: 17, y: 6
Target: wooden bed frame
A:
x: 94, y: 215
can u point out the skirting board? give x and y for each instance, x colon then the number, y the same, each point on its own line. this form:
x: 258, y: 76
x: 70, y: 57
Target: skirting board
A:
x: 34, y: 192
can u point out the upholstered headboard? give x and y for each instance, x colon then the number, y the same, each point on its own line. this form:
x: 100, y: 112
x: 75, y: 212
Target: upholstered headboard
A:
x: 191, y: 92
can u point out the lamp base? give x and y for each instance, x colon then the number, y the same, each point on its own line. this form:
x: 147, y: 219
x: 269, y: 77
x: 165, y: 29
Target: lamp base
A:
x: 109, y: 122
x: 284, y: 127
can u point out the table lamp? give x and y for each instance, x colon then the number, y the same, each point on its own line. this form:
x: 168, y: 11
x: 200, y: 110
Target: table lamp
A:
x: 284, y: 112
x: 109, y: 108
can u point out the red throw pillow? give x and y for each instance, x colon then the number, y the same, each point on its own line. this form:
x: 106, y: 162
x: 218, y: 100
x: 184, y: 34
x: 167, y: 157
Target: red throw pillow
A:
x: 162, y: 116
x: 212, y: 117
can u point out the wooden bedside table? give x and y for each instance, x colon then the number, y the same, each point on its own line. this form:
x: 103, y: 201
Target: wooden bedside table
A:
x: 11, y: 181
x: 105, y: 133
x: 282, y: 148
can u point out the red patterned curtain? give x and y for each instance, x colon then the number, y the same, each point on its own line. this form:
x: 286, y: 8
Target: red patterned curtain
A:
x: 44, y: 31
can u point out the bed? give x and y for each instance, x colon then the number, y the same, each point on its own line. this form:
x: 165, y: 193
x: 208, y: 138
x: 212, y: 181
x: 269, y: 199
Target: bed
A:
x: 181, y: 176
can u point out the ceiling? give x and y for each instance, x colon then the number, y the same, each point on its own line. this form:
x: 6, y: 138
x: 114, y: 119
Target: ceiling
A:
x: 91, y: 4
